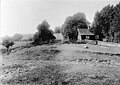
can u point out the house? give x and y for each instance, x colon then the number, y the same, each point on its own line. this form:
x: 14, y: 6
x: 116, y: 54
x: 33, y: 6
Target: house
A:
x: 82, y: 35
x: 58, y: 36
x: 85, y: 34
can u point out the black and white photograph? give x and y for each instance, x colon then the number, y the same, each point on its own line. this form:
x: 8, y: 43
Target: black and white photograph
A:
x: 60, y: 42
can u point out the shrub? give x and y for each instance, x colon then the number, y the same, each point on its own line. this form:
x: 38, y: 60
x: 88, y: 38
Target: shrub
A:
x: 44, y: 34
x: 7, y: 43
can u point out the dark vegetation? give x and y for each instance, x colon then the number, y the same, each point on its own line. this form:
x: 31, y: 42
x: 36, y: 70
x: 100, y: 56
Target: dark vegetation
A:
x: 57, y: 30
x: 44, y: 34
x: 71, y: 24
x: 7, y: 43
x: 106, y: 23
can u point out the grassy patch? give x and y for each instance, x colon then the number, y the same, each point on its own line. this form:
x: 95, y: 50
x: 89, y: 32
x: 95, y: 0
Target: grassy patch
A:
x: 39, y: 53
x: 48, y: 75
x: 100, y: 53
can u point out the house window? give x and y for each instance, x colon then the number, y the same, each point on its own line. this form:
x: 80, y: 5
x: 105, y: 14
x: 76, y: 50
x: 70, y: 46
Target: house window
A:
x: 87, y: 37
x: 97, y: 37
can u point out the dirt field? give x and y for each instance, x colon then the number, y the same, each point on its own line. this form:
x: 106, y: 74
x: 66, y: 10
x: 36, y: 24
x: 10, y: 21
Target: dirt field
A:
x: 65, y: 64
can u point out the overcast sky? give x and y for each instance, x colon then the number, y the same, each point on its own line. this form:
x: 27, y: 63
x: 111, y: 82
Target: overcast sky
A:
x: 23, y: 16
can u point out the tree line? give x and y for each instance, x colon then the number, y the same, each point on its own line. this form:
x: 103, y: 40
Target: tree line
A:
x: 106, y: 23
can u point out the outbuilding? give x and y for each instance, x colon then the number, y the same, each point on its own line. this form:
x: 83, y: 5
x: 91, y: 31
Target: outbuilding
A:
x: 85, y: 34
x: 58, y: 36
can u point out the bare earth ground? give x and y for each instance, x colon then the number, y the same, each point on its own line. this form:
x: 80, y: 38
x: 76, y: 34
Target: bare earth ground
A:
x: 65, y: 64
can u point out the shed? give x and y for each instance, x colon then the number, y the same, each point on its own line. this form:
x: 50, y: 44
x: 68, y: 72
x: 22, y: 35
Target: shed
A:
x: 85, y: 34
x: 58, y: 36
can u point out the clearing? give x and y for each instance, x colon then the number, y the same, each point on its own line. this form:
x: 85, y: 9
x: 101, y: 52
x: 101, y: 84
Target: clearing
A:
x: 65, y: 64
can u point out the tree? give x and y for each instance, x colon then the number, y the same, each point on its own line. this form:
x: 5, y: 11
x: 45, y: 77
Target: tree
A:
x: 7, y: 38
x: 115, y: 29
x: 107, y: 22
x: 96, y: 26
x: 44, y: 34
x: 116, y: 15
x: 57, y: 30
x: 17, y: 37
x: 72, y: 23
x: 117, y: 37
x: 107, y: 17
x: 7, y: 43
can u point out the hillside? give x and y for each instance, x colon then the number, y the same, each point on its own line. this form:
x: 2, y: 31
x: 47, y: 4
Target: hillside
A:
x: 65, y: 64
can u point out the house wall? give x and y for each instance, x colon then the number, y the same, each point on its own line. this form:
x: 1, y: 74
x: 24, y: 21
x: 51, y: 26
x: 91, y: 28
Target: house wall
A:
x: 92, y: 37
x: 83, y: 37
x: 58, y: 36
x: 79, y: 37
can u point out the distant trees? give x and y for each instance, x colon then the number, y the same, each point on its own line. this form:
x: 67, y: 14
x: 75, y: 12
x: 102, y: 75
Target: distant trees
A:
x: 57, y: 30
x: 106, y: 23
x: 17, y: 37
x: 44, y: 34
x: 72, y: 23
x: 7, y: 43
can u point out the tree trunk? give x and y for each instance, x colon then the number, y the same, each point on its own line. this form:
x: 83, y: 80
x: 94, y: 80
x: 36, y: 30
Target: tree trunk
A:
x: 8, y: 51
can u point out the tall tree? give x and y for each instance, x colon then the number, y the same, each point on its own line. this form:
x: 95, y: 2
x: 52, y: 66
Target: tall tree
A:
x: 107, y: 22
x: 57, y: 30
x: 96, y: 26
x: 44, y: 33
x: 106, y: 18
x: 116, y: 23
x: 72, y: 23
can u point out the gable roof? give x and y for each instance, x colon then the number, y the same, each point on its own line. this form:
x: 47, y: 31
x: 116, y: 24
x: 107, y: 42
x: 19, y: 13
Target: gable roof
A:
x: 84, y: 32
x: 58, y: 36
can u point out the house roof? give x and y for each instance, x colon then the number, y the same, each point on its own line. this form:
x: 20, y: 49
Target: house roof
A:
x: 84, y: 32
x: 58, y: 36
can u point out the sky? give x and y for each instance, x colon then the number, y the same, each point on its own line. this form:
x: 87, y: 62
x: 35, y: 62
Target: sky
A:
x: 23, y: 16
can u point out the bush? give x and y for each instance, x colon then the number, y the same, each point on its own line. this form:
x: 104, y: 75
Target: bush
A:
x: 44, y: 34
x: 7, y: 43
